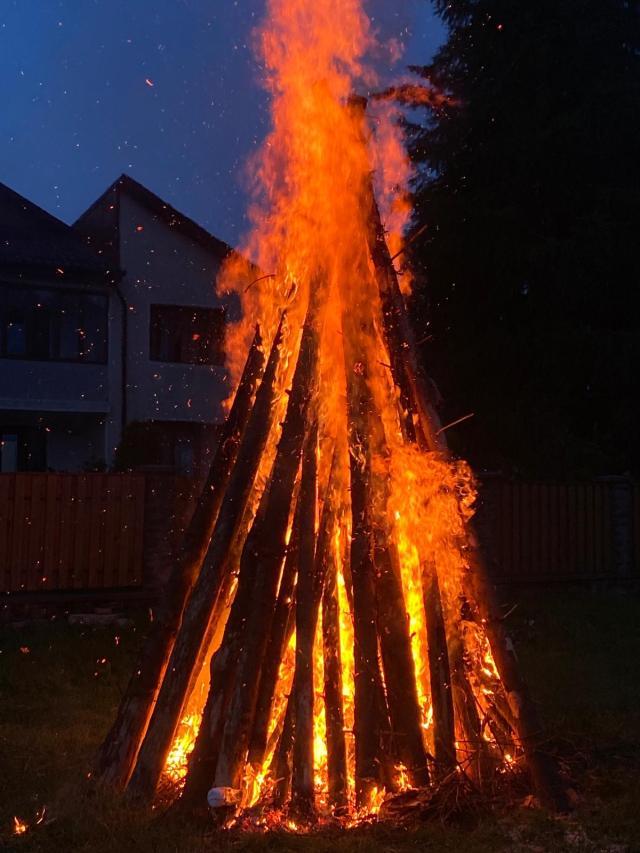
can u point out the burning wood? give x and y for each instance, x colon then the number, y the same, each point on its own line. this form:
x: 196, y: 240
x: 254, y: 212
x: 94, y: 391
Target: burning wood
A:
x: 341, y: 624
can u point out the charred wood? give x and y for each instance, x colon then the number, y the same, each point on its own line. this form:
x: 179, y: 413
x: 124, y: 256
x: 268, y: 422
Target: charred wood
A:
x: 440, y: 675
x: 202, y: 602
x: 118, y: 752
x: 302, y: 787
x: 263, y: 557
x: 336, y: 747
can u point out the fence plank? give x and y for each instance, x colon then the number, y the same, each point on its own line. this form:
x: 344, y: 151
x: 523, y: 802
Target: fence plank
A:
x: 93, y: 521
x: 16, y: 557
x: 65, y: 559
x: 34, y: 550
x: 51, y: 540
x: 136, y: 562
x: 115, y: 522
x: 7, y: 486
x: 70, y: 531
x: 79, y: 505
x: 90, y: 531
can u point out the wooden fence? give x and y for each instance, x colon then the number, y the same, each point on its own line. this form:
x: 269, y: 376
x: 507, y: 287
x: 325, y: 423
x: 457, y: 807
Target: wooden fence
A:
x: 580, y: 531
x: 71, y: 531
x: 109, y: 531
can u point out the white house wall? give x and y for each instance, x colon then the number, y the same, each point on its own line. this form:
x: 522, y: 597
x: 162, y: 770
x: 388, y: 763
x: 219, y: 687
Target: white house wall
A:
x: 162, y: 266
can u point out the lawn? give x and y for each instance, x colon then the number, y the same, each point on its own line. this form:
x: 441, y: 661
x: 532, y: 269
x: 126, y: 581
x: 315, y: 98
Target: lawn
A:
x: 59, y: 686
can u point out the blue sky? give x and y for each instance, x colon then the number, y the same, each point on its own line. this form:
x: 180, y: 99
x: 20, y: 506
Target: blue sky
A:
x: 76, y: 110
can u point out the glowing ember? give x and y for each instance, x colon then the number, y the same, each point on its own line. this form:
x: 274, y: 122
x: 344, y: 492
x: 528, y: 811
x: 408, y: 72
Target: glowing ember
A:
x: 19, y: 826
x: 176, y: 764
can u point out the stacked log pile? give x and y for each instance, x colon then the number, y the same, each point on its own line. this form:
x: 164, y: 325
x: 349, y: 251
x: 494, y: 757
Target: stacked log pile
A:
x: 328, y: 688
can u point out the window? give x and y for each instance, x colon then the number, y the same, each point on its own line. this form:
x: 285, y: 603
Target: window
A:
x: 8, y: 452
x: 22, y: 449
x: 53, y: 325
x: 187, y: 335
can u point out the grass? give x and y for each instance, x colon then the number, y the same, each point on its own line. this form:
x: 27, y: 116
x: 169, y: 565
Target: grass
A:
x: 59, y: 687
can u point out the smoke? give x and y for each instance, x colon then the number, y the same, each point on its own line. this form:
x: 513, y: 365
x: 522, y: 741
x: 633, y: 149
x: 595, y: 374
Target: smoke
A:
x: 394, y: 25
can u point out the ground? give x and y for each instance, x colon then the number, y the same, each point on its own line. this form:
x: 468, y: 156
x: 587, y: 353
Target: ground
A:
x: 59, y: 687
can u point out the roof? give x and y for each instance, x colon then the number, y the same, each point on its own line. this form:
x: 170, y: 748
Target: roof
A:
x: 164, y: 211
x: 31, y: 237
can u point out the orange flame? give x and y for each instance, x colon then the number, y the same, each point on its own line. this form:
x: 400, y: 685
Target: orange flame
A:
x: 310, y: 237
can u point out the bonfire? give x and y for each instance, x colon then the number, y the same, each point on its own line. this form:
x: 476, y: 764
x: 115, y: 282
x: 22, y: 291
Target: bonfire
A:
x: 329, y: 643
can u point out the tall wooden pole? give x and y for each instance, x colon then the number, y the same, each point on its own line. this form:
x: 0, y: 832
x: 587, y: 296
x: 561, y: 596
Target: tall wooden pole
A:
x: 334, y: 712
x: 302, y: 787
x: 119, y: 749
x: 401, y: 341
x: 281, y: 631
x: 368, y: 714
x: 197, y: 615
x: 444, y: 737
x: 263, y: 555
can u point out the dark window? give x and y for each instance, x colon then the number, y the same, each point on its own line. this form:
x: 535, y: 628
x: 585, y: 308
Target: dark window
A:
x: 22, y: 449
x: 53, y: 325
x: 187, y: 335
x: 8, y: 451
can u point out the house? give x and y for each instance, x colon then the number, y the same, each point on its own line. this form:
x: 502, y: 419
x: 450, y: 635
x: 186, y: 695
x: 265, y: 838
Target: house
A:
x: 59, y: 406
x: 111, y: 335
x: 173, y: 376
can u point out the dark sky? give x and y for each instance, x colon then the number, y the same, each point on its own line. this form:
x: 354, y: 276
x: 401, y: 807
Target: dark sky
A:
x: 77, y: 110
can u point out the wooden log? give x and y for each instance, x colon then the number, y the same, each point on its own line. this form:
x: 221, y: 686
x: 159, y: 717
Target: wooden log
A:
x: 263, y: 555
x: 283, y: 623
x: 281, y: 766
x: 281, y: 630
x: 400, y: 338
x: 280, y: 771
x: 337, y: 780
x: 227, y: 663
x: 397, y: 661
x: 223, y: 673
x: 118, y: 751
x: 368, y: 442
x: 500, y: 728
x: 302, y: 787
x: 475, y: 757
x: 170, y: 701
x: 440, y: 675
x: 367, y: 676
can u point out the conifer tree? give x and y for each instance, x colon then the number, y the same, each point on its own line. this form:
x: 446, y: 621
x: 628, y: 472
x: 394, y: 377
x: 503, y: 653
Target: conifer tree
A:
x: 529, y: 182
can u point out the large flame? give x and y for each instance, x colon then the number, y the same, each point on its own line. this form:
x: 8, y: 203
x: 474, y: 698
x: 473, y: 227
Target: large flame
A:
x: 309, y: 238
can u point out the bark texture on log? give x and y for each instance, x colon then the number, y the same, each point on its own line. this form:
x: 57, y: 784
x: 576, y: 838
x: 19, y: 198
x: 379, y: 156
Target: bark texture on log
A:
x: 263, y: 556
x: 197, y: 615
x: 368, y: 725
x: 223, y: 675
x: 334, y: 712
x: 542, y: 767
x: 444, y: 737
x: 302, y: 787
x: 280, y: 771
x: 281, y: 631
x: 397, y: 662
x: 119, y: 750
